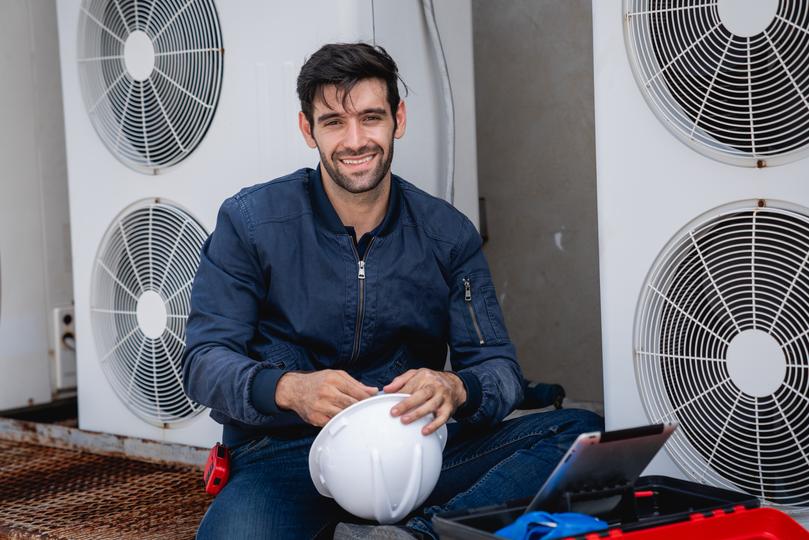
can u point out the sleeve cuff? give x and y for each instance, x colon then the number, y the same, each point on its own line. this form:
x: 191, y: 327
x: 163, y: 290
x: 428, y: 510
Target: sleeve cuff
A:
x: 263, y: 391
x: 474, y: 395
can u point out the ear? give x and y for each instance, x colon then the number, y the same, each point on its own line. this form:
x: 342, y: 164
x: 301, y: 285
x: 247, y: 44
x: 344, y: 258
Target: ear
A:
x: 401, y: 120
x: 306, y: 130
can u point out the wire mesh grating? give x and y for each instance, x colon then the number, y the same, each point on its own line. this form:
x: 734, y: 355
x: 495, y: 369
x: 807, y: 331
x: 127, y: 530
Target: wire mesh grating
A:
x: 67, y: 494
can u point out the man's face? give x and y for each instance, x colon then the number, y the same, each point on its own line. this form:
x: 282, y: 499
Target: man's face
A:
x: 355, y: 141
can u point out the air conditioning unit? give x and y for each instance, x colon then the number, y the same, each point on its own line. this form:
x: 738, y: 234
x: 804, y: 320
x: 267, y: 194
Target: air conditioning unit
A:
x: 34, y: 245
x: 173, y: 106
x: 702, y: 132
x: 702, y: 128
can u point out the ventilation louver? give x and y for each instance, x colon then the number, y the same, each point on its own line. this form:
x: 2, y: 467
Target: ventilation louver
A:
x: 150, y: 73
x: 140, y: 302
x: 722, y: 346
x: 729, y: 78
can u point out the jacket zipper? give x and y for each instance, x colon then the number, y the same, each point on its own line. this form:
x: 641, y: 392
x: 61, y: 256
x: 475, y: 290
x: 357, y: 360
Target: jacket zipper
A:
x: 467, y: 296
x: 361, y: 304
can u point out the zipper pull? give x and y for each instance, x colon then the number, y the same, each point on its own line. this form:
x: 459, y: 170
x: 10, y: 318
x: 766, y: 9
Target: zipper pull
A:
x: 467, y: 290
x: 361, y: 272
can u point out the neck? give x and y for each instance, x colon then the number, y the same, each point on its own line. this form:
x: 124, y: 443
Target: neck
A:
x: 362, y: 211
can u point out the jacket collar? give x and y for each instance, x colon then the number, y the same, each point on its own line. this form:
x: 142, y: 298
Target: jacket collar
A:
x: 327, y: 215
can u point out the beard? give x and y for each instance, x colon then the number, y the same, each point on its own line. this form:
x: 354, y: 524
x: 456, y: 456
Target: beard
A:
x: 359, y: 182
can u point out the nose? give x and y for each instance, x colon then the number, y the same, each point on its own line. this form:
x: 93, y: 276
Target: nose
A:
x: 355, y: 136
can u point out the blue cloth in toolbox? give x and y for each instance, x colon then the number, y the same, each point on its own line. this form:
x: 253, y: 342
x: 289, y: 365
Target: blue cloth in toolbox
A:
x: 545, y: 526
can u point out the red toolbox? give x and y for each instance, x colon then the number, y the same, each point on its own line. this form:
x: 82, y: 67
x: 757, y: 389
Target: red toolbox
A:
x: 740, y: 524
x: 657, y: 505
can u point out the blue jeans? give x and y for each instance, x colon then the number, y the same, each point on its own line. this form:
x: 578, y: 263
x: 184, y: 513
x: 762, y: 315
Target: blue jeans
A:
x: 270, y: 493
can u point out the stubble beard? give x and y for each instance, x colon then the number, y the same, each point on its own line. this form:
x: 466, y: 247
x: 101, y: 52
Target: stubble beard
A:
x: 353, y: 185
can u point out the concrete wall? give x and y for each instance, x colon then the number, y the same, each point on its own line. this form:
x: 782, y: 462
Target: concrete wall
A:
x: 536, y: 169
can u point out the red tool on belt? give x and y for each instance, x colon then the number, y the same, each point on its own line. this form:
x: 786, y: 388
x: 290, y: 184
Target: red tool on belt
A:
x: 217, y: 469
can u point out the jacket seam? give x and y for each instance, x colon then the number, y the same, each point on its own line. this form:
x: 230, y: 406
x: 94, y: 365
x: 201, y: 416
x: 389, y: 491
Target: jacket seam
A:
x: 453, y: 253
x: 270, y: 183
x: 283, y: 219
x: 248, y: 219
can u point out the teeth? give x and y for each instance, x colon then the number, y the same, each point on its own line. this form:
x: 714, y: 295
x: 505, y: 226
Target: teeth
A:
x: 356, y: 161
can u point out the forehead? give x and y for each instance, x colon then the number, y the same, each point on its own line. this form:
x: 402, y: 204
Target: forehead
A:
x: 366, y: 94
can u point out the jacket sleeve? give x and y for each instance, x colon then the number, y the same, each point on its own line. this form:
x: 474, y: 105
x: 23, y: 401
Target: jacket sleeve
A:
x: 226, y: 298
x: 481, y: 352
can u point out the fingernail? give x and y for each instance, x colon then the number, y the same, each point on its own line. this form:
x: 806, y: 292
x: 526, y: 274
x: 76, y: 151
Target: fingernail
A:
x: 394, y: 411
x: 405, y: 419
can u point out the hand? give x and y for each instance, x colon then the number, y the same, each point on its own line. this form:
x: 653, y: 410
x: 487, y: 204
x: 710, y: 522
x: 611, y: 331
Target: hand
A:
x: 318, y: 396
x: 437, y: 392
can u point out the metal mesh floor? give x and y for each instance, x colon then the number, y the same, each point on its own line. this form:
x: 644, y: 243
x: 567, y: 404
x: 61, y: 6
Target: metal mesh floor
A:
x: 68, y: 494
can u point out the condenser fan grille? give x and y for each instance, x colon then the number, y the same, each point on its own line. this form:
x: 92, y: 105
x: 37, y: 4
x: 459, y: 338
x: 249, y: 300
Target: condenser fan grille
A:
x: 722, y: 346
x: 729, y: 78
x: 150, y: 74
x: 141, y: 295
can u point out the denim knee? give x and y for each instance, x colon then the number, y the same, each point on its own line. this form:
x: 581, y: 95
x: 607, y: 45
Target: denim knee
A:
x: 584, y: 421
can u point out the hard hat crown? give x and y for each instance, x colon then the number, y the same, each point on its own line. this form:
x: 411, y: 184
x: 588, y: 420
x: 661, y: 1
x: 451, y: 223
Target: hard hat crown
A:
x: 372, y: 464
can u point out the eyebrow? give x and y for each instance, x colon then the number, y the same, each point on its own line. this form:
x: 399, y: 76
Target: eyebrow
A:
x: 372, y: 110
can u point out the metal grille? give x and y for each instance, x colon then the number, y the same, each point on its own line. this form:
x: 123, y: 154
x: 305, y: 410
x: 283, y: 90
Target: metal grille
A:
x: 150, y: 74
x: 722, y: 347
x: 730, y: 79
x: 140, y: 303
x: 65, y: 494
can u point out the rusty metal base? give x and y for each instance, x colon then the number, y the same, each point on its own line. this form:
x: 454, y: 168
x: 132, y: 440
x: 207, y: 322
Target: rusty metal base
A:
x: 56, y: 493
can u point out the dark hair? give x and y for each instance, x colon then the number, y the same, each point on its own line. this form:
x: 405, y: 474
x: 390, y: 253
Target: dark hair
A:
x: 344, y: 65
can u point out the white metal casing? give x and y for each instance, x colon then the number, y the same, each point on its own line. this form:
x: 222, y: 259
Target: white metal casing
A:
x: 254, y: 137
x: 34, y: 243
x: 650, y: 186
x: 64, y: 348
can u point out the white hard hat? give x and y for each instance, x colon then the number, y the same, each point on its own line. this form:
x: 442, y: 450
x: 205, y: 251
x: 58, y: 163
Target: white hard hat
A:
x: 372, y: 464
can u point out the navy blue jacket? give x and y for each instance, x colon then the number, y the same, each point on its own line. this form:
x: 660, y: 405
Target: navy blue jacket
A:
x: 280, y: 287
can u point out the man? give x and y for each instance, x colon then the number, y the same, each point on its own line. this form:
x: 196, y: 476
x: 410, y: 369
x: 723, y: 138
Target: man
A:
x: 319, y: 288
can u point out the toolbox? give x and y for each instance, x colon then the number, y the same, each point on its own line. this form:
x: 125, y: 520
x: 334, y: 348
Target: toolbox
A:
x: 740, y: 524
x: 650, y: 508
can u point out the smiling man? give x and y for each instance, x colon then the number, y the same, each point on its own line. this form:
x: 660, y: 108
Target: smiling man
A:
x: 319, y: 288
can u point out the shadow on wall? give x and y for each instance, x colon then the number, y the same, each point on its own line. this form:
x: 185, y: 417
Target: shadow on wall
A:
x: 536, y: 165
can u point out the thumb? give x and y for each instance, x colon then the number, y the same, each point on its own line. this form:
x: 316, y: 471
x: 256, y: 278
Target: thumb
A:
x: 396, y: 384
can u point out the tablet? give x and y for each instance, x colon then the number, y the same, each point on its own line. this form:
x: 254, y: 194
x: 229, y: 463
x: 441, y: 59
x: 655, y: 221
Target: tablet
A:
x: 600, y: 460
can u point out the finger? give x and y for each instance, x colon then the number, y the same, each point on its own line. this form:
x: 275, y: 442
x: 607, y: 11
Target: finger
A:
x: 431, y: 406
x: 319, y: 420
x: 328, y: 410
x: 352, y: 387
x: 341, y: 400
x: 396, y: 384
x: 440, y: 419
x: 416, y: 399
x: 414, y: 384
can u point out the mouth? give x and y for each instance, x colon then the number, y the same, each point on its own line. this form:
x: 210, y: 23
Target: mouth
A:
x: 357, y: 162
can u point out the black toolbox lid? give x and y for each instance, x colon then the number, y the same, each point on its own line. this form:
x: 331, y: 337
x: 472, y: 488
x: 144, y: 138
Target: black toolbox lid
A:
x: 658, y: 500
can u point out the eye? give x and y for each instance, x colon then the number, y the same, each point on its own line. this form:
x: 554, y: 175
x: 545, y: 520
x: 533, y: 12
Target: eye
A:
x: 373, y: 118
x: 332, y: 123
